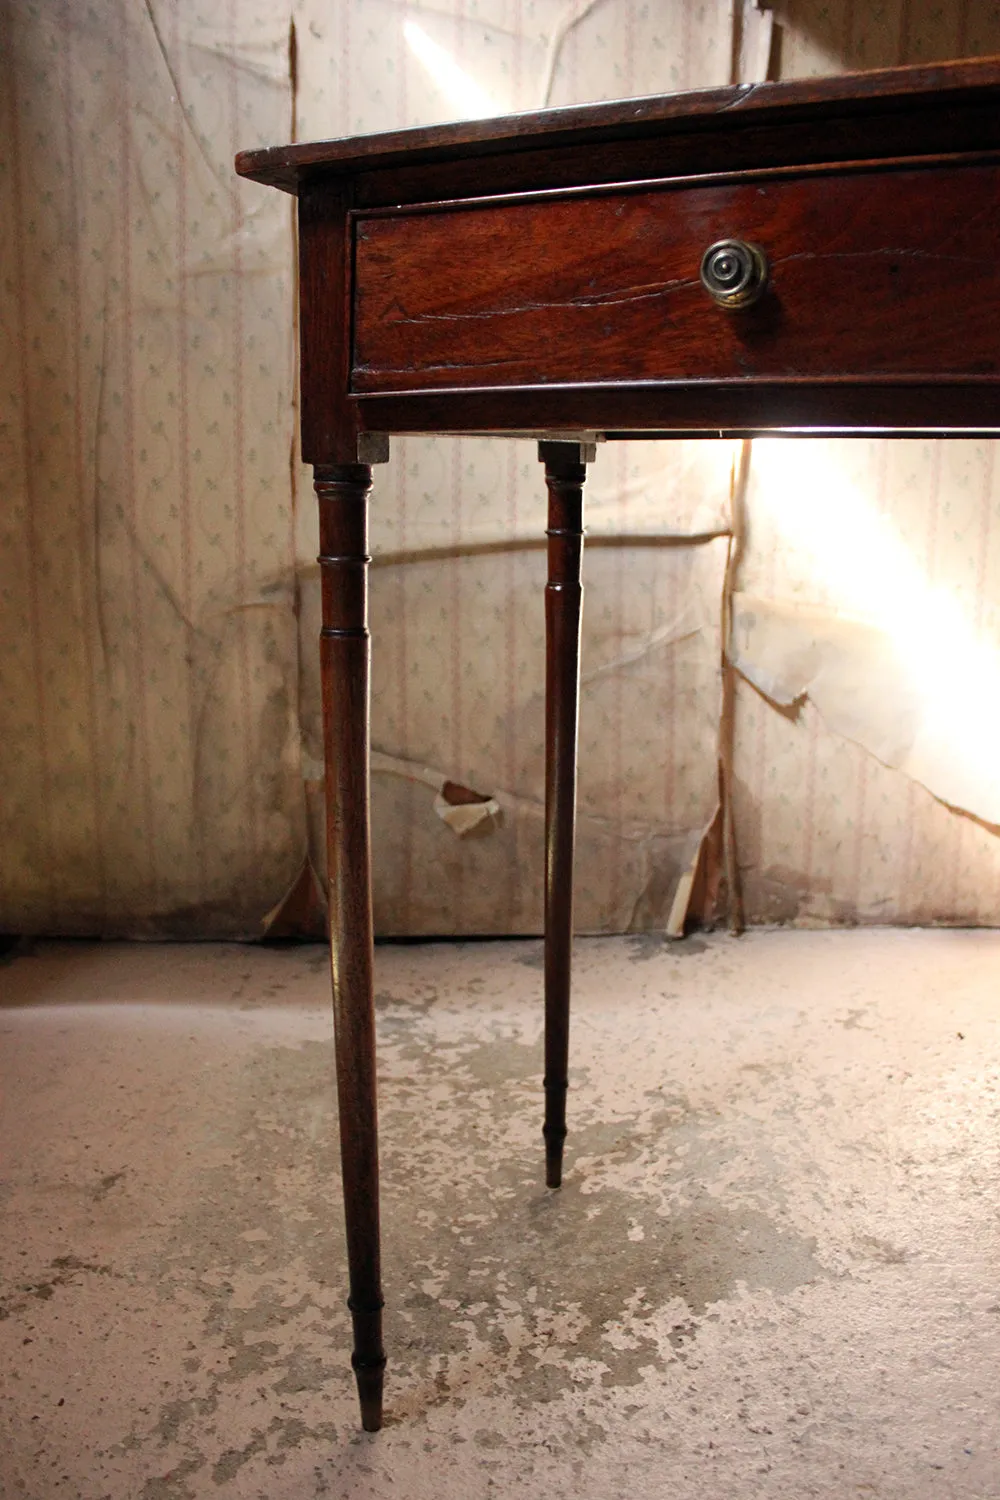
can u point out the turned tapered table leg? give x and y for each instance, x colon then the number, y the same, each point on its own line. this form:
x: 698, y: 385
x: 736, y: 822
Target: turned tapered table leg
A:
x: 343, y: 517
x: 565, y: 472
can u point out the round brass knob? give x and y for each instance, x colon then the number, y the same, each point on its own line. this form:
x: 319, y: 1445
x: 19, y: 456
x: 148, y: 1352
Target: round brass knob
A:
x: 733, y: 273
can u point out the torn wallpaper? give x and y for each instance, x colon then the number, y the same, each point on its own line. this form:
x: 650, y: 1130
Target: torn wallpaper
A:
x: 869, y: 618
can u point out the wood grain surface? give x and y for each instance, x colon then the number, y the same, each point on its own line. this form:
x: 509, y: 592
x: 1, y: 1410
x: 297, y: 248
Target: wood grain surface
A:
x: 888, y: 272
x: 565, y: 475
x: 342, y: 494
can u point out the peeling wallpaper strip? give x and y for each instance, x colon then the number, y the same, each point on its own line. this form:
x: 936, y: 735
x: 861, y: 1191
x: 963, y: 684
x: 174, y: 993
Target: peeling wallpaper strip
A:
x: 913, y: 702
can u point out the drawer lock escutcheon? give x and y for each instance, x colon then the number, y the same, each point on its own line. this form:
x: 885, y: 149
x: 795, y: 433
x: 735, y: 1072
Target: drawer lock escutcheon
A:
x: 733, y: 273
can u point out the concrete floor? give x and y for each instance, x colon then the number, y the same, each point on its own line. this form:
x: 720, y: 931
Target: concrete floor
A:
x: 773, y: 1269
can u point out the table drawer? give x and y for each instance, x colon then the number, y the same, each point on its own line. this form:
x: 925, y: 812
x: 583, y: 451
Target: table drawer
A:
x: 872, y: 273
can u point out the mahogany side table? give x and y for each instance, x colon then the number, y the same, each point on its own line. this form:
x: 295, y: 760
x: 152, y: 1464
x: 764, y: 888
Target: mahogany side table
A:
x: 820, y: 255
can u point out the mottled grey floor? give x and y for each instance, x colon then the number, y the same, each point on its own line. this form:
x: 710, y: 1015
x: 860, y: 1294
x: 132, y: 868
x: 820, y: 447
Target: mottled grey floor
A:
x: 773, y: 1270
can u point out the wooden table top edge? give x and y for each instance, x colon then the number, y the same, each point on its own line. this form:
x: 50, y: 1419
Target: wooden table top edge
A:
x: 287, y: 166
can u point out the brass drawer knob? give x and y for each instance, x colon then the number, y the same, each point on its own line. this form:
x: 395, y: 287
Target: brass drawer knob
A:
x: 733, y: 273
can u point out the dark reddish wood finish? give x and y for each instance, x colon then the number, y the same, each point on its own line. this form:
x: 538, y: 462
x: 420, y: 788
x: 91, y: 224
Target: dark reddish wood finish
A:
x: 818, y: 136
x: 604, y: 286
x: 328, y: 429
x: 565, y: 473
x: 577, y: 311
x: 811, y: 354
x: 943, y: 106
x: 343, y: 528
x: 709, y: 408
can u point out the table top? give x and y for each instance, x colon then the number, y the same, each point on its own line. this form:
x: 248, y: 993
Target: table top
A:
x: 799, y: 104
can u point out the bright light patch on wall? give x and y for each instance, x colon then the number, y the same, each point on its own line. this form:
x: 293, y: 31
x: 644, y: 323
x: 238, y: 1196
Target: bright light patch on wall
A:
x: 470, y: 101
x: 868, y: 572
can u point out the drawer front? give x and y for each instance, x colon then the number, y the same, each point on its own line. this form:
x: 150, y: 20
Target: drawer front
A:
x: 873, y: 273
